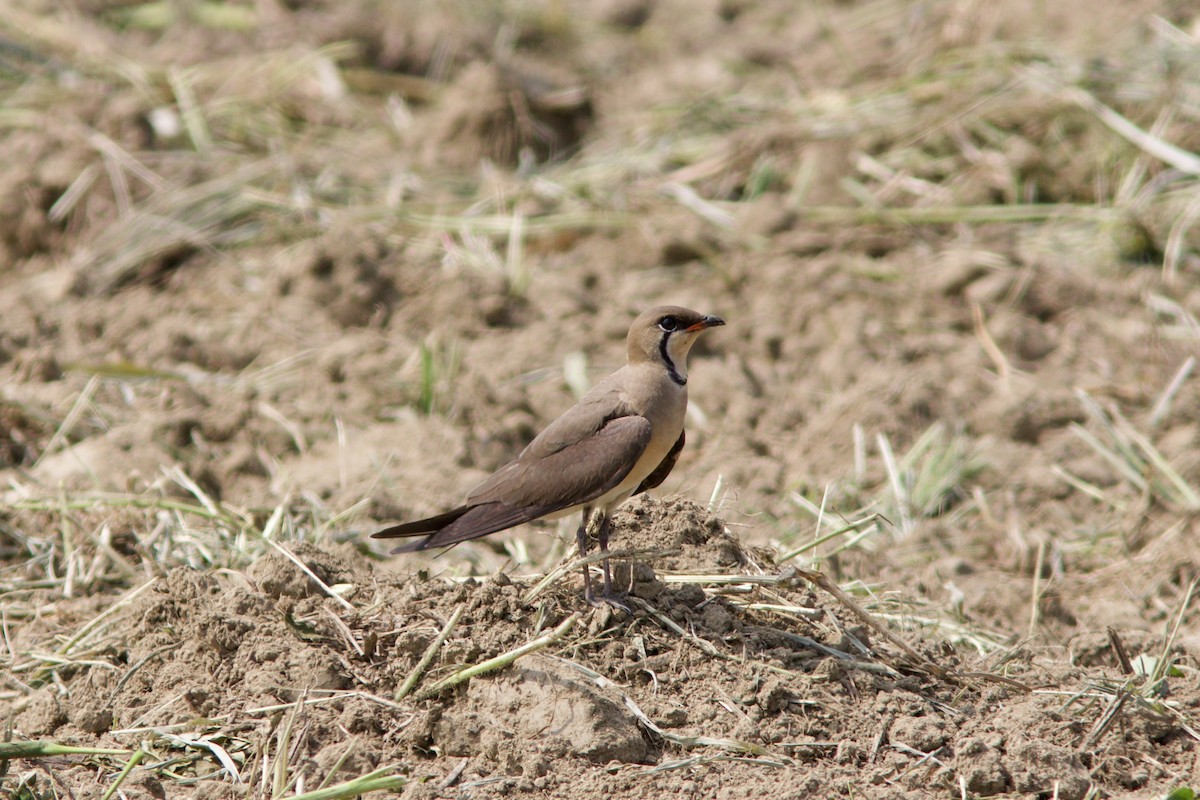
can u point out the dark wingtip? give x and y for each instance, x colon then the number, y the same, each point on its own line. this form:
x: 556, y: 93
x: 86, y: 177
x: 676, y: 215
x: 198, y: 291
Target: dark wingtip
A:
x: 411, y: 548
x: 395, y: 532
x: 421, y: 527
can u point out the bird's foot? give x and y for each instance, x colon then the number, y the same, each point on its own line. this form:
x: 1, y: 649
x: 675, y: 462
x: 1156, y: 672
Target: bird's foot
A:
x: 610, y: 599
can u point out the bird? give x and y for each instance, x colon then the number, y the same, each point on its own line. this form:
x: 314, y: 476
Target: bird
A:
x: 622, y: 438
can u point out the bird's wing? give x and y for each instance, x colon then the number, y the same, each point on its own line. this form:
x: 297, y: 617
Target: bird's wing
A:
x: 595, y: 413
x: 420, y: 526
x: 660, y: 473
x: 526, y: 490
x: 570, y: 471
x: 473, y: 522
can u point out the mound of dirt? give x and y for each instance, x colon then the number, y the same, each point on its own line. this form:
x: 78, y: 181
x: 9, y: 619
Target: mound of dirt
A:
x: 773, y: 674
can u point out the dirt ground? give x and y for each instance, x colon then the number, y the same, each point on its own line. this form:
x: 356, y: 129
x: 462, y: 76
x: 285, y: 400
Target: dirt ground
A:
x: 275, y: 274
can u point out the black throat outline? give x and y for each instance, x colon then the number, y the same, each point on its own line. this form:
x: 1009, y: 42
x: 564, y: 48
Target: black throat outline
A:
x: 666, y: 357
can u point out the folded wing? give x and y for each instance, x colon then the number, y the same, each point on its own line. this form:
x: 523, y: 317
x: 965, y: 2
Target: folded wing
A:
x: 550, y: 475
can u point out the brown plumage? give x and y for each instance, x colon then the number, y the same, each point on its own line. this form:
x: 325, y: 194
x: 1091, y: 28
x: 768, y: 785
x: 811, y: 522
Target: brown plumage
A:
x: 622, y: 438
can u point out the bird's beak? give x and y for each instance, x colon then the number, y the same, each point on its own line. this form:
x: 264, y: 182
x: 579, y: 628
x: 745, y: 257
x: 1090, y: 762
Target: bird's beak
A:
x: 708, y: 322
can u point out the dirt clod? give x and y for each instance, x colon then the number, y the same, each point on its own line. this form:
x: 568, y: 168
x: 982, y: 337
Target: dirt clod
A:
x: 542, y: 701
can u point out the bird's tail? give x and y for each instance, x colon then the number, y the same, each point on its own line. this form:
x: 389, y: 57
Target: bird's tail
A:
x: 461, y: 524
x: 421, y: 526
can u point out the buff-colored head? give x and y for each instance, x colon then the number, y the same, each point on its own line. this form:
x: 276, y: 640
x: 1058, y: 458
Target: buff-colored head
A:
x: 665, y: 334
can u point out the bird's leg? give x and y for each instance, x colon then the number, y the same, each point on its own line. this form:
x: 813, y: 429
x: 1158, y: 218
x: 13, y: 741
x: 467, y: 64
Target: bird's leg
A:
x: 581, y: 541
x: 608, y: 596
x: 603, y: 537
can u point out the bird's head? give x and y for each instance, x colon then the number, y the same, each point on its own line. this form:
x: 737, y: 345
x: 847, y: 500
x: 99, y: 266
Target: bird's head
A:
x: 665, y: 334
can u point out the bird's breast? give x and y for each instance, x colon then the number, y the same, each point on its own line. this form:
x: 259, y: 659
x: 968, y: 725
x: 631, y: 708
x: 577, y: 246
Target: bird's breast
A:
x: 665, y: 406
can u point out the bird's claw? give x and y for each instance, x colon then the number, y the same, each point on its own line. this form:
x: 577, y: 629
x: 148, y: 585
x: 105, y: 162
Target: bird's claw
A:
x: 612, y: 600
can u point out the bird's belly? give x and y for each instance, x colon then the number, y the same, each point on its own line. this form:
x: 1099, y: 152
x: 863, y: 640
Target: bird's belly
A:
x: 649, y: 461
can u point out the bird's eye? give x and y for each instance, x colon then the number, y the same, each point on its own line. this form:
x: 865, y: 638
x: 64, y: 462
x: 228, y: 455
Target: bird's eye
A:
x: 667, y: 323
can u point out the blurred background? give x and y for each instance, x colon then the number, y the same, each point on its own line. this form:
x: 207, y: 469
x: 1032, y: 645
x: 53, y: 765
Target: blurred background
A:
x: 289, y: 270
